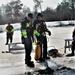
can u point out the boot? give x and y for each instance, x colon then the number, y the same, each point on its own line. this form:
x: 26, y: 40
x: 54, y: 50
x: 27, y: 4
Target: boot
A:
x: 70, y: 54
x: 6, y: 44
x: 29, y: 61
x: 22, y: 39
x: 47, y: 57
x: 41, y: 60
x: 30, y: 64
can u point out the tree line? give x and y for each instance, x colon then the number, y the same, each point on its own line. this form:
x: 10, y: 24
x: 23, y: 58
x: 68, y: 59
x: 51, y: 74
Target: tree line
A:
x: 14, y: 11
x: 64, y: 11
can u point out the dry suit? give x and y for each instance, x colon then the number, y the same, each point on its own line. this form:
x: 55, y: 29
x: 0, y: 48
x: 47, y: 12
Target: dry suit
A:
x: 73, y: 47
x: 39, y: 30
x: 27, y: 32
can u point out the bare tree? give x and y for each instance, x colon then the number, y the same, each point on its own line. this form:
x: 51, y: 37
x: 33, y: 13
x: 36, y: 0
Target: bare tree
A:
x: 17, y: 7
x: 0, y: 16
x: 26, y: 10
x: 13, y: 10
x: 37, y: 5
x: 72, y: 6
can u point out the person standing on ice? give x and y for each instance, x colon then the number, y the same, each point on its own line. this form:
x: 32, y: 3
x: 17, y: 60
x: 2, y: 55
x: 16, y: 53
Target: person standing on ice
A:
x: 73, y: 34
x: 39, y: 30
x: 73, y: 44
x: 26, y: 34
x: 9, y: 33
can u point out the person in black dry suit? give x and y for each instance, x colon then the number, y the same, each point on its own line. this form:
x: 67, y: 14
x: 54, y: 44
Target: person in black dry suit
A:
x: 26, y: 33
x: 40, y: 30
x: 73, y: 44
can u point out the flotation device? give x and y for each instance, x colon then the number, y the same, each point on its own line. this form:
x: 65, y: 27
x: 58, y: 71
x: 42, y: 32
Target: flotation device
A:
x: 37, y: 51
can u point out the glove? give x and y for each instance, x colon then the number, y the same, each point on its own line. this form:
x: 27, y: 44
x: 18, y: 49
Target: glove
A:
x: 11, y: 33
x: 49, y: 33
x: 22, y: 39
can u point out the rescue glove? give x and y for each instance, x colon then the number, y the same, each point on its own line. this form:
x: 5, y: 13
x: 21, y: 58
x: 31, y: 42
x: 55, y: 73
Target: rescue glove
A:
x: 49, y: 33
x: 11, y: 33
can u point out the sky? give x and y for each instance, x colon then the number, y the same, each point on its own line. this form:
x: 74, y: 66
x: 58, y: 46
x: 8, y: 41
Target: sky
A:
x: 29, y: 3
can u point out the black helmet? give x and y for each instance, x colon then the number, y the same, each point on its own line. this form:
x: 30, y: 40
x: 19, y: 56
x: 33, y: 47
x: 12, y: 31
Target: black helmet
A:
x: 30, y: 15
x: 39, y: 15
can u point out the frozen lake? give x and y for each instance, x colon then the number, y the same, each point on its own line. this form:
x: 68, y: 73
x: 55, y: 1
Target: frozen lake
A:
x: 58, y: 35
x: 13, y: 63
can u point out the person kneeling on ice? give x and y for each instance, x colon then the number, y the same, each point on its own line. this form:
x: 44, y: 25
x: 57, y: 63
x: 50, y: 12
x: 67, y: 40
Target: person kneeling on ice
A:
x: 40, y: 30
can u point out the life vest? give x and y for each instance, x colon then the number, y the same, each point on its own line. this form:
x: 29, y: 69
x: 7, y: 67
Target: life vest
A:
x: 40, y: 28
x: 26, y: 28
x: 9, y: 29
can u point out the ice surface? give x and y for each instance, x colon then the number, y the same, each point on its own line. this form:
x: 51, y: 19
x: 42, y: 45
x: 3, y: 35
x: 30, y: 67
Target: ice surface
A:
x: 13, y: 63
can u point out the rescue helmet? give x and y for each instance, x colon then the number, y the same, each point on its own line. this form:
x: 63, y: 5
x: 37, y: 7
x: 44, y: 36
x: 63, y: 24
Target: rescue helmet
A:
x: 39, y: 15
x: 30, y: 15
x: 8, y: 23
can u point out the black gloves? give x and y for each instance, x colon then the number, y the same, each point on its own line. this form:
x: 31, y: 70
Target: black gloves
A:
x: 49, y: 33
x: 12, y: 33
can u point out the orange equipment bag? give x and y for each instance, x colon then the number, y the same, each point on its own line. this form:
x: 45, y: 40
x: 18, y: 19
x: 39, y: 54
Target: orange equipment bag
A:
x: 37, y: 51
